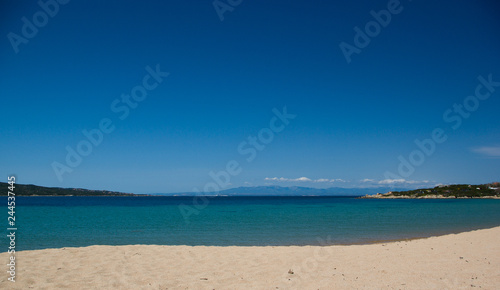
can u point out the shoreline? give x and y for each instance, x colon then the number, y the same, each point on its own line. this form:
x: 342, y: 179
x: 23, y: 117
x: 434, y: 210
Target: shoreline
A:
x: 449, y: 261
x: 364, y: 243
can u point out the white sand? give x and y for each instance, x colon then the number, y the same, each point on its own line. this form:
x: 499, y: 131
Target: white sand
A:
x: 465, y: 260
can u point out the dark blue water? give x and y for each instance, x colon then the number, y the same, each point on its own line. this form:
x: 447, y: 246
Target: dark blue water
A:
x: 53, y: 222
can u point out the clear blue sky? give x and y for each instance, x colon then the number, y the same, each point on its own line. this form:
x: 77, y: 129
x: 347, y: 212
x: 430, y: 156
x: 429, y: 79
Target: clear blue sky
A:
x: 353, y: 120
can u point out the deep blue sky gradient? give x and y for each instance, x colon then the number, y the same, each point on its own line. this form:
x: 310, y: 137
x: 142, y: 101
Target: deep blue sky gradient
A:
x: 353, y: 119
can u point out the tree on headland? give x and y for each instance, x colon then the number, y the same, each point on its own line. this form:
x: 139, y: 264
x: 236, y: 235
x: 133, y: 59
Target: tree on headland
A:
x: 454, y: 190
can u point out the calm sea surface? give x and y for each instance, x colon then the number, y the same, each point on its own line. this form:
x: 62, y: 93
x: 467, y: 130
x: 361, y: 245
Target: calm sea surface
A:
x: 54, y: 222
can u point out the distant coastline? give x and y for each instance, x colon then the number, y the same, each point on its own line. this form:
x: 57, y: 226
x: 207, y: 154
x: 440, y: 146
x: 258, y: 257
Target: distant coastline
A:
x: 491, y: 190
x: 35, y: 190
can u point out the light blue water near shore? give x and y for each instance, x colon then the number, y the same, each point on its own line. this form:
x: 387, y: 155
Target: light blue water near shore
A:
x: 54, y: 222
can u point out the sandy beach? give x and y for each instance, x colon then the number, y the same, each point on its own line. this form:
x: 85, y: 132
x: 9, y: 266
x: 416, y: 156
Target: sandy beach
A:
x: 456, y: 261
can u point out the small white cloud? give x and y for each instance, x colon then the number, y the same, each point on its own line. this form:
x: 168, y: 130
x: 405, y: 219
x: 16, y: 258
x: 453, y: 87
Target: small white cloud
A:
x: 283, y: 179
x: 392, y: 181
x: 306, y: 179
x: 368, y: 180
x: 276, y: 179
x: 402, y: 181
x: 329, y: 180
x: 489, y: 151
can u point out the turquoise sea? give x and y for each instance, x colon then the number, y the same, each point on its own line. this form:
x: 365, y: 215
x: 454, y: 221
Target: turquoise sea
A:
x: 54, y: 222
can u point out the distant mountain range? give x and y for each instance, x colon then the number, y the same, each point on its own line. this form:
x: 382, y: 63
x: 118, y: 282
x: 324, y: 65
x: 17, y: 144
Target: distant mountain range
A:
x: 30, y: 189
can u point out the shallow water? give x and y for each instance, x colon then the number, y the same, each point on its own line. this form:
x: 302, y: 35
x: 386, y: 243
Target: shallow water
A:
x: 54, y: 222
